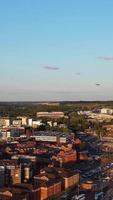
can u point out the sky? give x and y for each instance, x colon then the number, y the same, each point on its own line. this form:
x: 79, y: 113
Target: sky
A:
x: 54, y: 50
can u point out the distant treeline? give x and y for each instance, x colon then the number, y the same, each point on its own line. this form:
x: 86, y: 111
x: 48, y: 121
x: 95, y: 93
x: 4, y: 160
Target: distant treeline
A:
x: 13, y: 109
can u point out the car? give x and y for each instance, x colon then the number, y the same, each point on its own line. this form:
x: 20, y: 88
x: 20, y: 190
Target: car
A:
x: 84, y: 176
x: 111, y: 164
x: 107, y: 178
x: 63, y: 197
x: 79, y: 197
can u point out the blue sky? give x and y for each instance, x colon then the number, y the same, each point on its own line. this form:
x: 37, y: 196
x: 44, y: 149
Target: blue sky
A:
x: 56, y: 50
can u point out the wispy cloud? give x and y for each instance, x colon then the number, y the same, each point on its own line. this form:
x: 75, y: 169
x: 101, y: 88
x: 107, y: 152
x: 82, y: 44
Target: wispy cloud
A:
x: 51, y: 68
x: 78, y: 73
x: 105, y: 58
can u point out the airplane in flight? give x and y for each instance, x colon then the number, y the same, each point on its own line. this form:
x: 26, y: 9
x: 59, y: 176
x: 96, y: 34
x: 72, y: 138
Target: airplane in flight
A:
x: 98, y: 84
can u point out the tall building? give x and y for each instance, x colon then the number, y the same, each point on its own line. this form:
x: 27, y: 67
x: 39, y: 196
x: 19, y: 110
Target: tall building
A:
x: 16, y: 175
x: 30, y: 122
x: 2, y: 176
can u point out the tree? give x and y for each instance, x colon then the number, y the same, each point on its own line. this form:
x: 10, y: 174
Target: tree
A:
x: 78, y: 122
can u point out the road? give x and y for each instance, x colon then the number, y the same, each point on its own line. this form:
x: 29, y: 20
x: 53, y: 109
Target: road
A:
x: 109, y: 193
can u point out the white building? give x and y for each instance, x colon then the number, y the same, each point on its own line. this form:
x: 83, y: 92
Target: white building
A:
x: 30, y: 122
x: 52, y: 136
x: 17, y: 122
x: 106, y: 111
x: 100, y: 116
x: 4, y: 122
x: 55, y: 115
x: 5, y: 133
x: 45, y: 138
x: 37, y: 123
x: 23, y: 119
x: 50, y: 123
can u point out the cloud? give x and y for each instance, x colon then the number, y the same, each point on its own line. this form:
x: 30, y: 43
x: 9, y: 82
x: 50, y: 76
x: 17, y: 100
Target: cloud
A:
x: 105, y: 58
x: 51, y: 68
x: 78, y: 73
